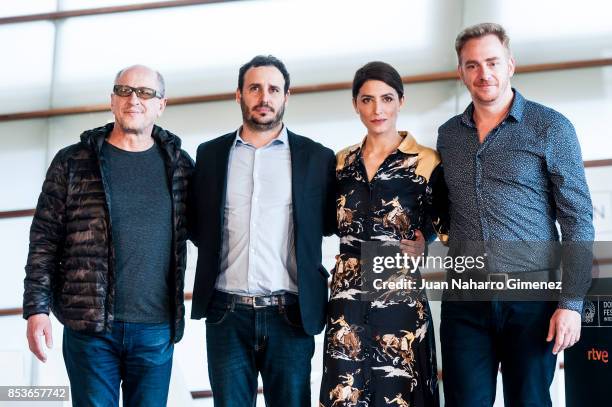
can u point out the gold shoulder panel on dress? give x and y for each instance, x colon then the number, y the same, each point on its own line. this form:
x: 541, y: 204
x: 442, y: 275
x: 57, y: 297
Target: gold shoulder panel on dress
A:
x: 343, y: 154
x: 428, y: 161
x: 428, y: 158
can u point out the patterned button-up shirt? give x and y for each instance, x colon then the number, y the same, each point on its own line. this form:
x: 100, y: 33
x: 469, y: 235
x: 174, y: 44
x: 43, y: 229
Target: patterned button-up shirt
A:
x: 526, y: 175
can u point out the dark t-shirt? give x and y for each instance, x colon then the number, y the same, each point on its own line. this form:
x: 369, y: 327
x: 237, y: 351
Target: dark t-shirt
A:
x: 141, y: 218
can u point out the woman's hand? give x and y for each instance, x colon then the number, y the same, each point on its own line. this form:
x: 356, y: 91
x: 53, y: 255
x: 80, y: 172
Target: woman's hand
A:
x: 414, y: 248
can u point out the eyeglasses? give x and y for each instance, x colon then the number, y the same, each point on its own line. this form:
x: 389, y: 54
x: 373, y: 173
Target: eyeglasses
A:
x: 142, y: 93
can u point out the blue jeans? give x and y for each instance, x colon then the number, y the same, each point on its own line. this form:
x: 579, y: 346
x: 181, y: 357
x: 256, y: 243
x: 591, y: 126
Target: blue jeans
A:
x: 138, y: 356
x: 242, y: 342
x: 477, y: 337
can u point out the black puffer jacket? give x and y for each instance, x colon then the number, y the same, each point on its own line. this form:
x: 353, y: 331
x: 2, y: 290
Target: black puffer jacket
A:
x: 70, y: 268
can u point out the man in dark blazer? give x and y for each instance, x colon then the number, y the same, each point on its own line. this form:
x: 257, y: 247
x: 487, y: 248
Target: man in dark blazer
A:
x: 264, y: 198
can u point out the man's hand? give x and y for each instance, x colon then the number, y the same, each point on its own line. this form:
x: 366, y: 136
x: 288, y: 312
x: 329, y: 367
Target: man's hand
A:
x: 564, y: 327
x: 39, y: 325
x: 413, y: 248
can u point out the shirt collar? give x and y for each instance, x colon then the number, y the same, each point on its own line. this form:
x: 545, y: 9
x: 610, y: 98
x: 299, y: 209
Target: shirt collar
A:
x: 516, y: 110
x: 282, y: 138
x: 407, y: 146
x: 518, y: 106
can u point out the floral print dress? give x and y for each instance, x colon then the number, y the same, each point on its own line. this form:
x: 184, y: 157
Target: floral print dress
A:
x: 379, y: 349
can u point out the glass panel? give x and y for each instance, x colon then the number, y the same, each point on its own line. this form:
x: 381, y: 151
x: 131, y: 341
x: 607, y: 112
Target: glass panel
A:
x: 601, y: 194
x: 26, y: 74
x: 10, y: 8
x: 584, y: 19
x: 14, y: 235
x: 23, y: 163
x: 199, y: 49
x: 548, y: 30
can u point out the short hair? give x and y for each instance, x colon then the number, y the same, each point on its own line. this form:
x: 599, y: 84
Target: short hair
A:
x: 262, y: 60
x: 160, y: 79
x: 379, y: 71
x: 478, y: 31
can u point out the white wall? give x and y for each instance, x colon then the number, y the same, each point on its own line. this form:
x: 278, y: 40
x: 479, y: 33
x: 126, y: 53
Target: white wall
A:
x: 416, y: 37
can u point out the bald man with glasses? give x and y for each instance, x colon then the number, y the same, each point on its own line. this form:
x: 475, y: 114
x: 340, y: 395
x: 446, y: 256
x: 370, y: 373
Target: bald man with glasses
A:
x: 108, y: 251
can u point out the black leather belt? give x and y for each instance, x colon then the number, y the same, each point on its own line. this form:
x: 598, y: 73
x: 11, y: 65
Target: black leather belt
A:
x: 256, y: 301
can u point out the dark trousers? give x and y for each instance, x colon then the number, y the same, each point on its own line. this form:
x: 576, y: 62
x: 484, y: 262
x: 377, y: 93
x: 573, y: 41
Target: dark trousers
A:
x: 477, y: 337
x: 242, y: 341
x: 137, y: 356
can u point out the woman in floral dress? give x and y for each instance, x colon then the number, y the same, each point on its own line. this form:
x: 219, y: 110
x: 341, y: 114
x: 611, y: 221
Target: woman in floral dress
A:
x: 379, y: 344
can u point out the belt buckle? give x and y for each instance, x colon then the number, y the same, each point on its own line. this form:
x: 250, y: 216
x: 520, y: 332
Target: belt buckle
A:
x: 264, y: 301
x: 504, y: 275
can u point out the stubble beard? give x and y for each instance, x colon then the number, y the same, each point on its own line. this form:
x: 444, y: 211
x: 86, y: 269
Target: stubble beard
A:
x: 254, y: 124
x: 127, y: 128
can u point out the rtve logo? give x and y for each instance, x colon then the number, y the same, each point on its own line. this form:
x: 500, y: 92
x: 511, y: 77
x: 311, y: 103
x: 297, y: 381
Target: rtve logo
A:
x: 598, y: 355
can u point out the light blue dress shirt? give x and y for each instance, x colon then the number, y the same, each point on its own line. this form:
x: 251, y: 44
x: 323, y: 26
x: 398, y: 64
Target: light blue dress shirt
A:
x: 258, y: 251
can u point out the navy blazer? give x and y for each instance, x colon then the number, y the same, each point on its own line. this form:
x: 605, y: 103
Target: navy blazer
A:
x: 314, y: 215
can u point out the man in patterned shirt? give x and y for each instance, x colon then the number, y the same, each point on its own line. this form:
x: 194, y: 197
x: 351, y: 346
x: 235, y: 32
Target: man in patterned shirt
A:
x: 513, y: 169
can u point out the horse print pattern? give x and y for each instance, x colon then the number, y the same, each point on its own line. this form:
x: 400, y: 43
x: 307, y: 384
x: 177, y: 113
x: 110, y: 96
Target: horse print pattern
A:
x: 379, y: 349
